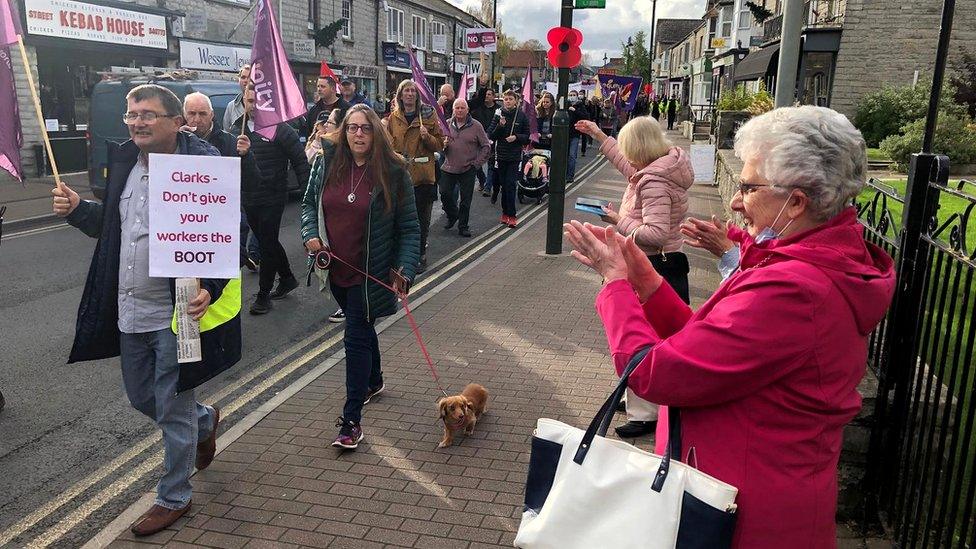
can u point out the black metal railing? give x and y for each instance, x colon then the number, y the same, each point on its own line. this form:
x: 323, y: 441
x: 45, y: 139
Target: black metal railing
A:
x: 772, y: 28
x: 922, y: 466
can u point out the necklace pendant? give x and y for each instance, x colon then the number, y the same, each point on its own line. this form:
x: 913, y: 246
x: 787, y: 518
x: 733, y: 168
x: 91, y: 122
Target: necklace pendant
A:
x: 351, y: 198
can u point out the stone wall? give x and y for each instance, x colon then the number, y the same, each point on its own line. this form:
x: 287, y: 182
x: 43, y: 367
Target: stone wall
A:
x: 885, y: 41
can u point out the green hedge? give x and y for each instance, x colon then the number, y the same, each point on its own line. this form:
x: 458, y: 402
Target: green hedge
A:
x: 886, y: 112
x: 955, y: 137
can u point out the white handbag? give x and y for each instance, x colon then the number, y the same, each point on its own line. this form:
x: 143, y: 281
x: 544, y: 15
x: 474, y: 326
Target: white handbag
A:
x: 587, y: 491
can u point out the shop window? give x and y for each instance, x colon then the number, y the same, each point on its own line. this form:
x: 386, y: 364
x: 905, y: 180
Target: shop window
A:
x: 347, y: 19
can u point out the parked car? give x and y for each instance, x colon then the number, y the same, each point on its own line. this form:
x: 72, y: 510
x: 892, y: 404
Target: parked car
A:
x: 108, y: 106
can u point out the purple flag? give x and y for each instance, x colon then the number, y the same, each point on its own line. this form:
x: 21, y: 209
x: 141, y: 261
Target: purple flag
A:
x: 11, y: 138
x: 528, y: 106
x: 463, y: 90
x: 420, y: 79
x: 276, y: 93
x: 9, y: 24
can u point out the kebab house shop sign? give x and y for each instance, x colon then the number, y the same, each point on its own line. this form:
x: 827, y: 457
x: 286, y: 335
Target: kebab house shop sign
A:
x: 194, y: 216
x: 81, y: 21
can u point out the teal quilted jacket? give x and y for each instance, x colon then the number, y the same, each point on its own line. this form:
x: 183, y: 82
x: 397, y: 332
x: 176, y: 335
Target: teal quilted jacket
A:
x: 392, y: 238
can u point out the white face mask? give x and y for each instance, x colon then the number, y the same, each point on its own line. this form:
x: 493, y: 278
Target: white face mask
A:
x: 769, y: 233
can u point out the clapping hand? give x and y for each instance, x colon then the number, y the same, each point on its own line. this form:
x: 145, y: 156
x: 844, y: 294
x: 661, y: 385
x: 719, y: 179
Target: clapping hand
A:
x: 709, y: 236
x: 614, y: 256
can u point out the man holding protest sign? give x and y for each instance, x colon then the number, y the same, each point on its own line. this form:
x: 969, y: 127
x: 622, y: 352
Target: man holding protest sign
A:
x: 124, y: 312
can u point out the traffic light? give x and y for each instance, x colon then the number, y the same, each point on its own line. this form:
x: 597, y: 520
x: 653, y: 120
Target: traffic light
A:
x: 565, y: 52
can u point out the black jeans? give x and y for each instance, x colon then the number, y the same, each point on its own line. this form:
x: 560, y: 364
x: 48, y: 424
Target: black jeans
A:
x: 363, y: 370
x: 585, y: 140
x: 265, y: 221
x: 674, y: 268
x: 449, y: 184
x: 671, y: 117
x: 507, y: 173
x: 425, y: 196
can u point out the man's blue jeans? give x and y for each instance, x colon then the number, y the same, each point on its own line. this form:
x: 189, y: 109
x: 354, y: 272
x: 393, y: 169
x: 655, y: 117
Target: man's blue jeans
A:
x: 150, y: 373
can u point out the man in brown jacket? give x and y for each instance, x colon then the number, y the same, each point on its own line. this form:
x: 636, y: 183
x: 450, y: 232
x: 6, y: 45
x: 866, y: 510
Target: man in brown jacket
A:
x: 417, y: 136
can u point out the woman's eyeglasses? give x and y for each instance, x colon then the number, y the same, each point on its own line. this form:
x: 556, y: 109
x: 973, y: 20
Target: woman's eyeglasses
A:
x: 353, y: 129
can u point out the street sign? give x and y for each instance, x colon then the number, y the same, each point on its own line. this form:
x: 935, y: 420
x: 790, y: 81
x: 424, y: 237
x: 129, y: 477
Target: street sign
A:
x: 585, y: 4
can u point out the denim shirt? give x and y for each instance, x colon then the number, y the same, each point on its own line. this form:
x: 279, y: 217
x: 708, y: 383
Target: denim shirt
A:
x: 145, y: 304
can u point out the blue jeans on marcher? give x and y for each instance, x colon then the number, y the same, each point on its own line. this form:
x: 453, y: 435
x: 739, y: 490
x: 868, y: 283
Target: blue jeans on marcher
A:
x: 573, y: 148
x: 362, y: 351
x: 150, y: 373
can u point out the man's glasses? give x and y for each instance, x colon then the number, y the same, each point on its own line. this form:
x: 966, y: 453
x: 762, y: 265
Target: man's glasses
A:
x: 147, y: 117
x: 353, y: 129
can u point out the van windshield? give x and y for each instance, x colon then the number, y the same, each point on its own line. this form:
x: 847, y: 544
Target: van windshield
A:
x: 106, y: 116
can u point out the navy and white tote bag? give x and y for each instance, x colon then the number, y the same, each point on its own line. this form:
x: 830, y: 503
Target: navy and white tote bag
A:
x: 587, y: 491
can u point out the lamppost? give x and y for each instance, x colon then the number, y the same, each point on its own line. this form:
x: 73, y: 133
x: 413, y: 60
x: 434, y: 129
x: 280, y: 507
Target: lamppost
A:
x: 653, y: 25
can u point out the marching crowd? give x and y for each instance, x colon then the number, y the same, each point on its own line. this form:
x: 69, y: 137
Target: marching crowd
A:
x: 763, y: 399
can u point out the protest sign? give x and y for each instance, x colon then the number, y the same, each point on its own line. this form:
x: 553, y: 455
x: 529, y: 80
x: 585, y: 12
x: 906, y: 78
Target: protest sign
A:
x: 626, y: 88
x: 703, y: 163
x: 481, y: 39
x: 194, y: 216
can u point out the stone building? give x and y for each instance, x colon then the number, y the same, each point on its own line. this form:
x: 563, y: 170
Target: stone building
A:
x: 885, y: 42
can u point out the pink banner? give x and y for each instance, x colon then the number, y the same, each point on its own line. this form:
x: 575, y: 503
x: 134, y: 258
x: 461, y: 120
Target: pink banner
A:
x: 276, y: 93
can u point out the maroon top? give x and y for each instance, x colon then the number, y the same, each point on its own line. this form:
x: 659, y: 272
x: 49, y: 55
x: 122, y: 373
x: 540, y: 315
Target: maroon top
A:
x: 345, y: 224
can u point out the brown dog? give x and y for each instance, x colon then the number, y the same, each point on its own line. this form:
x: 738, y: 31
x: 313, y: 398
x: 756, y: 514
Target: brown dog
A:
x: 462, y: 411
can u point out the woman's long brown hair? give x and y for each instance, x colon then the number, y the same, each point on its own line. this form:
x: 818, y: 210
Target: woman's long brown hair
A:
x: 540, y: 110
x: 382, y: 157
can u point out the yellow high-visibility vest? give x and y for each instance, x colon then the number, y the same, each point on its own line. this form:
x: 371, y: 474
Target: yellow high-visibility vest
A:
x: 225, y: 308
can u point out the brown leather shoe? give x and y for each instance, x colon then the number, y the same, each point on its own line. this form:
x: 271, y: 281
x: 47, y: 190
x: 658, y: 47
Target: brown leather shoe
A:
x: 207, y: 448
x: 156, y: 519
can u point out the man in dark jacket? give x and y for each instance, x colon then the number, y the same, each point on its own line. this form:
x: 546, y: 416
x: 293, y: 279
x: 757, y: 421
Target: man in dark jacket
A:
x: 199, y: 115
x: 328, y: 101
x: 483, y: 110
x: 672, y: 111
x: 466, y: 148
x: 264, y: 199
x: 577, y: 111
x: 125, y: 312
x: 510, y: 130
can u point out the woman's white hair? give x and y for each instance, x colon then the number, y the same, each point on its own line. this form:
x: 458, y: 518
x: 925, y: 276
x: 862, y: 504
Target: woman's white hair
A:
x: 814, y: 149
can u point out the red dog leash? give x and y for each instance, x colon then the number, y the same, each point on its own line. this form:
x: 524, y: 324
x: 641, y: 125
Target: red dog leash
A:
x: 323, y: 258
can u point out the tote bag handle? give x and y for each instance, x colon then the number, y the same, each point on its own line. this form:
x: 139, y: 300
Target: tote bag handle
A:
x: 600, y: 424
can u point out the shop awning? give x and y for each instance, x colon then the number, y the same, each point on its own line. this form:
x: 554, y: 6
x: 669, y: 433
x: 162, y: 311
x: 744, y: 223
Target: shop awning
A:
x: 757, y: 64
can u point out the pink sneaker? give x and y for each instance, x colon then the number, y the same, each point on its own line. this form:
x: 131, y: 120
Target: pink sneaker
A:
x: 350, y: 435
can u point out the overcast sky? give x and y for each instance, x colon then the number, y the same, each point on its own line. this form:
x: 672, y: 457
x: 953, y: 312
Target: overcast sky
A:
x: 602, y: 29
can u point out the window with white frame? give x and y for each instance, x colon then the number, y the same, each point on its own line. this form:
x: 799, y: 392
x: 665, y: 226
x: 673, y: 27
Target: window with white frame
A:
x: 394, y: 25
x: 745, y: 17
x: 347, y: 18
x: 438, y: 29
x: 726, y: 19
x: 460, y: 42
x: 420, y: 32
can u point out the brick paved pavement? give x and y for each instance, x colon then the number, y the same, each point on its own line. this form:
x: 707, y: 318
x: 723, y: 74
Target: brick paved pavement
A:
x: 521, y: 323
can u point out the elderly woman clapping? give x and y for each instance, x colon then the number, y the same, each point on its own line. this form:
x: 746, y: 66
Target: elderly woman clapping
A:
x: 765, y: 373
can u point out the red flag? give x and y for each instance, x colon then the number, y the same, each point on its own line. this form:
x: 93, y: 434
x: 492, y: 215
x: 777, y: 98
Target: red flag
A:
x: 326, y: 71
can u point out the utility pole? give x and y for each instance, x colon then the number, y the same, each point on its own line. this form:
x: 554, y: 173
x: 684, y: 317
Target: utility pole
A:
x: 494, y: 24
x: 560, y: 151
x: 789, y: 53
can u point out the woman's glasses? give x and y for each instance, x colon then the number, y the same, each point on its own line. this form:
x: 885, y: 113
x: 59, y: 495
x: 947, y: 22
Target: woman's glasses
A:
x: 353, y: 129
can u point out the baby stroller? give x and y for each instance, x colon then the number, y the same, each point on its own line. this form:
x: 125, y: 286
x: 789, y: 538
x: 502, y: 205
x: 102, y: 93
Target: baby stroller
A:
x: 533, y: 175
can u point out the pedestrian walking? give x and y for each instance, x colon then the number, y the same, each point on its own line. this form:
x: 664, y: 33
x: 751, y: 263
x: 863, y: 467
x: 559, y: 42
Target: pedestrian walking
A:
x: 359, y: 206
x: 656, y: 108
x: 417, y: 136
x: 199, y: 116
x: 466, y: 148
x: 483, y: 109
x: 763, y: 397
x: 608, y: 116
x: 351, y: 96
x: 446, y: 98
x: 545, y: 108
x: 264, y: 199
x: 577, y: 112
x: 510, y: 130
x: 673, y: 105
x: 651, y: 211
x: 124, y: 312
x: 328, y: 101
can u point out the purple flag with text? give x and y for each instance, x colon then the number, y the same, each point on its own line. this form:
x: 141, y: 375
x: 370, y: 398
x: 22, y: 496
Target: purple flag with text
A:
x: 420, y: 79
x: 528, y: 106
x: 277, y: 97
x: 11, y: 137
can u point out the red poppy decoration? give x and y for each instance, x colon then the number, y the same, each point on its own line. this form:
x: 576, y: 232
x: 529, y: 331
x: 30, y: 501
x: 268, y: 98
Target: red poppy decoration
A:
x: 565, y: 52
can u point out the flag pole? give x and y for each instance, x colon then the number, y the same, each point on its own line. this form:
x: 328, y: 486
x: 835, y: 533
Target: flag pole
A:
x: 40, y: 115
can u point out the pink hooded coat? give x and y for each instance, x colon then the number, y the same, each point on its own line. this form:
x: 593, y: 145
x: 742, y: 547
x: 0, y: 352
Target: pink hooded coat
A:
x: 765, y: 372
x: 656, y: 199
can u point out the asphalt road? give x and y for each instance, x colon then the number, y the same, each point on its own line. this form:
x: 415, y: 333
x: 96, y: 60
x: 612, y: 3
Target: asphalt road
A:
x: 63, y: 423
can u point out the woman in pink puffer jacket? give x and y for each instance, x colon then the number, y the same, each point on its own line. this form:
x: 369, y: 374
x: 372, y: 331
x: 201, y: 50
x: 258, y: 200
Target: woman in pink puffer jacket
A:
x: 654, y: 204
